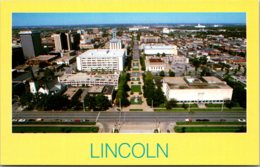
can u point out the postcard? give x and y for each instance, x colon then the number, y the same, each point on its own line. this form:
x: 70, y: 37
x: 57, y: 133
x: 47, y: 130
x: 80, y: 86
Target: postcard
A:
x: 129, y: 83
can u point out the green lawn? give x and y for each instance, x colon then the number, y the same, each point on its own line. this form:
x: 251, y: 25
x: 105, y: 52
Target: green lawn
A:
x: 210, y: 123
x: 181, y: 129
x: 54, y: 123
x: 136, y: 88
x: 53, y: 129
x: 135, y: 69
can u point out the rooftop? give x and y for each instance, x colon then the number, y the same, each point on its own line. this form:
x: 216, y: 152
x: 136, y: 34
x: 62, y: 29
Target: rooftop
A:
x: 155, y: 47
x: 103, y: 53
x: 195, y: 83
x: 96, y: 89
x: 43, y: 57
x: 70, y: 92
x: 155, y: 61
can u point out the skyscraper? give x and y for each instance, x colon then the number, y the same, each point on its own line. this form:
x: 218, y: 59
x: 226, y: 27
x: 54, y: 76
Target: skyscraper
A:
x: 62, y: 41
x: 31, y: 43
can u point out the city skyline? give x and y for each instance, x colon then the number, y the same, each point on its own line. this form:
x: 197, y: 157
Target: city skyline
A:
x: 54, y: 19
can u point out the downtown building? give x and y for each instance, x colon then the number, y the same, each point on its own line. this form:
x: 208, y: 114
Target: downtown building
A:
x: 31, y: 43
x: 196, y: 90
x: 101, y: 60
x: 62, y: 41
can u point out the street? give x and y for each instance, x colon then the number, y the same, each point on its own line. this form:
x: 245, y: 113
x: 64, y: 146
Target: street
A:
x: 132, y: 116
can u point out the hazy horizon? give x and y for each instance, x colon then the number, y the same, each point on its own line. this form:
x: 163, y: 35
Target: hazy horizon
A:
x: 57, y: 19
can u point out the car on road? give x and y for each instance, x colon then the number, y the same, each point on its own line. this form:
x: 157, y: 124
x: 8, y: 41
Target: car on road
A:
x: 39, y: 120
x: 14, y: 120
x: 67, y: 120
x: 202, y: 120
x: 21, y: 120
x: 241, y: 120
x: 188, y: 120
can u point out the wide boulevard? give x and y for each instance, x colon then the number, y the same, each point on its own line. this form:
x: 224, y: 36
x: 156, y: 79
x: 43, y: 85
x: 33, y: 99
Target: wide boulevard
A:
x: 131, y: 116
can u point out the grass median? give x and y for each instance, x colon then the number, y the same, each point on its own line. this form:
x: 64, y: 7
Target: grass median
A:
x: 49, y: 129
x: 181, y: 129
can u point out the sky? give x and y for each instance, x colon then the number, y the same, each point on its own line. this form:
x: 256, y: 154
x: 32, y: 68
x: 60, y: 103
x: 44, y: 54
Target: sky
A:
x: 41, y: 19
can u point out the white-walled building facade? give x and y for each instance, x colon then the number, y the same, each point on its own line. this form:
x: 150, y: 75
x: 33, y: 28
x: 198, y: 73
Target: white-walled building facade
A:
x: 155, y: 65
x: 83, y: 79
x: 102, y: 59
x: 155, y: 49
x: 196, y: 90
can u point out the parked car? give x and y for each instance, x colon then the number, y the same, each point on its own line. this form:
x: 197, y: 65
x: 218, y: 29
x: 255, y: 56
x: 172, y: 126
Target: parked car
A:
x: 241, y: 120
x: 14, y: 120
x: 202, y: 120
x: 39, y: 120
x: 21, y: 120
x: 188, y: 120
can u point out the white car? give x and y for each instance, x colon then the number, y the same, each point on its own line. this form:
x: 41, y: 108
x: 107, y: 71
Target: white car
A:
x: 21, y: 120
x: 241, y: 120
x: 14, y: 120
x: 188, y: 120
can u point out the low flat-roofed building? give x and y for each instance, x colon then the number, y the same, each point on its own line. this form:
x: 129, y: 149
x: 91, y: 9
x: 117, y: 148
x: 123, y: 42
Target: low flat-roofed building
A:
x: 72, y: 93
x: 150, y: 39
x: 84, y: 79
x: 196, y: 90
x: 41, y: 58
x: 66, y: 60
x: 95, y: 89
x: 105, y: 90
x: 155, y: 65
x: 155, y: 49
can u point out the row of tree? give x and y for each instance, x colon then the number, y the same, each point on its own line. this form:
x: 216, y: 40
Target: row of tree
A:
x: 97, y: 102
x: 153, y: 93
x: 239, y: 92
x: 121, y: 95
x: 49, y: 102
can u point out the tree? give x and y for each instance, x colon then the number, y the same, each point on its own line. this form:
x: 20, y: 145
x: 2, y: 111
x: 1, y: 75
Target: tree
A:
x: 89, y: 102
x: 171, y: 73
x: 158, y: 97
x: 171, y: 103
x: 229, y: 104
x: 162, y: 74
x: 102, y: 103
x: 203, y: 60
x: 158, y: 54
x: 196, y: 63
x: 163, y: 54
x: 185, y: 106
x: 26, y: 99
x: 56, y: 102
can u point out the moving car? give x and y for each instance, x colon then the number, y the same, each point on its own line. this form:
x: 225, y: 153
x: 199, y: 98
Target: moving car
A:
x: 241, y: 120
